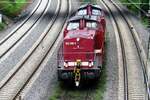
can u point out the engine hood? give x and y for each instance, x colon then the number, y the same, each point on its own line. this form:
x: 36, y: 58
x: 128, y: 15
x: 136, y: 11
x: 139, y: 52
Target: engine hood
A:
x: 88, y: 34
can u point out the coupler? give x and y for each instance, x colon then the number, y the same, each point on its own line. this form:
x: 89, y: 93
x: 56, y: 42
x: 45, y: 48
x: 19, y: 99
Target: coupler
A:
x: 77, y: 74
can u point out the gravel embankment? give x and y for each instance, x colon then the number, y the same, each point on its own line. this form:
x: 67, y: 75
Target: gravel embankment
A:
x: 45, y: 80
x: 16, y: 21
x: 142, y: 30
x: 20, y: 49
x: 111, y: 62
x: 112, y: 72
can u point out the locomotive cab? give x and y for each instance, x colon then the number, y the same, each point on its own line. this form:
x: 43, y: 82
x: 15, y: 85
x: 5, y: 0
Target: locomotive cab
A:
x: 92, y: 10
x: 81, y: 53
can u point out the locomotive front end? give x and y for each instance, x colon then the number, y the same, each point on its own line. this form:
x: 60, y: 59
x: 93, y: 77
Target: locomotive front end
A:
x: 78, y: 58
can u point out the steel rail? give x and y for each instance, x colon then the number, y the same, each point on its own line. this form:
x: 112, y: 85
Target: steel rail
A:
x: 14, y: 69
x: 54, y: 19
x: 11, y: 78
x: 67, y: 15
x: 137, y: 46
x: 5, y: 82
x: 25, y: 33
x: 20, y: 25
x: 124, y: 56
x: 134, y: 39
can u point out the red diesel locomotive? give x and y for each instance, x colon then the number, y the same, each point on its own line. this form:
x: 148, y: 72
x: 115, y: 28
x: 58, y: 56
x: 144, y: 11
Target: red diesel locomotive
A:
x: 92, y: 10
x: 81, y: 54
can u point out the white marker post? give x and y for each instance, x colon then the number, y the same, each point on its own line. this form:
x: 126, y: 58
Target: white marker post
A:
x: 148, y: 11
x: 0, y: 18
x: 148, y: 59
x: 148, y: 68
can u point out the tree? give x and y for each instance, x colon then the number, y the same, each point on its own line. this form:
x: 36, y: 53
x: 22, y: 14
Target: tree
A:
x: 145, y: 5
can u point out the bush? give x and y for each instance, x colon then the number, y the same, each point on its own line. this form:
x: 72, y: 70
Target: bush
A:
x: 2, y: 26
x: 135, y: 10
x: 10, y: 8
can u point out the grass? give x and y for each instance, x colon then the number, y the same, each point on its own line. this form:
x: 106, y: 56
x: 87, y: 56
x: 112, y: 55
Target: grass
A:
x: 101, y: 87
x: 132, y: 7
x: 145, y: 21
x: 56, y: 93
x: 79, y: 93
x: 2, y: 26
x: 87, y: 1
x: 12, y: 9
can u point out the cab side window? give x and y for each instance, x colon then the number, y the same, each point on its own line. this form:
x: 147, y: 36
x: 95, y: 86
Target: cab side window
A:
x: 73, y: 25
x: 82, y: 12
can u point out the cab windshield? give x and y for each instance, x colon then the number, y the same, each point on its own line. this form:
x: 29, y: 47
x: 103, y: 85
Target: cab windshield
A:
x: 77, y: 34
x: 82, y: 12
x: 90, y: 24
x: 73, y: 25
x: 96, y: 12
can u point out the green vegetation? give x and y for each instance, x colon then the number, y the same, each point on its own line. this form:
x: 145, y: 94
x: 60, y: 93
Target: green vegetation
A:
x: 132, y: 7
x: 11, y: 8
x: 145, y: 21
x: 57, y: 93
x: 87, y: 0
x: 74, y: 93
x: 101, y: 87
x: 142, y: 5
x: 2, y: 26
x: 92, y: 1
x: 98, y: 92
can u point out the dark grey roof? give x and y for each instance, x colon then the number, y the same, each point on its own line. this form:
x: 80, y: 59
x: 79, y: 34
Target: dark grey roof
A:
x: 87, y: 17
x: 93, y: 6
x: 75, y: 18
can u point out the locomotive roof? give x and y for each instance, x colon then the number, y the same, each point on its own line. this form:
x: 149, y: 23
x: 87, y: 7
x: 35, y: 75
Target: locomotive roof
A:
x: 93, y: 6
x: 89, y: 18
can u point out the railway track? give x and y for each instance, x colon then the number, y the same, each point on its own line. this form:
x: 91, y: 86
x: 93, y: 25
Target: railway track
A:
x: 133, y: 68
x: 2, y: 60
x: 22, y: 23
x: 21, y: 30
x: 72, y: 95
x: 17, y: 52
x: 12, y: 86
